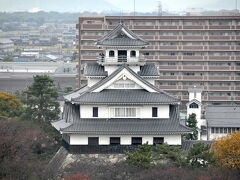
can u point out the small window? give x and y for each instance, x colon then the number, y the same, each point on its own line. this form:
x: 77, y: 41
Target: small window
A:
x: 212, y: 130
x: 111, y: 53
x: 158, y: 140
x: 154, y: 112
x: 136, y: 140
x: 133, y: 54
x: 114, y: 140
x: 193, y: 105
x: 95, y: 111
x: 93, y: 141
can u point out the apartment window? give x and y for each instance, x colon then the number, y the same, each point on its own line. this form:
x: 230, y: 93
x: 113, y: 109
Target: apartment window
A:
x: 95, y: 111
x: 93, y: 141
x: 146, y: 53
x: 133, y: 54
x: 193, y: 106
x: 154, y: 112
x: 136, y: 140
x: 122, y: 112
x: 158, y: 140
x: 111, y: 53
x: 114, y: 140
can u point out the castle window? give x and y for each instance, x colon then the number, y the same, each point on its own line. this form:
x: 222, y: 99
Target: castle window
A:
x: 114, y: 140
x: 136, y: 140
x: 111, y: 53
x: 95, y: 111
x: 124, y: 112
x: 193, y: 105
x: 93, y: 141
x: 133, y: 54
x: 158, y: 140
x: 154, y: 111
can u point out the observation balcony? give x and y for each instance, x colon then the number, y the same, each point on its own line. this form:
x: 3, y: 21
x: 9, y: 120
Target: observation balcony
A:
x: 121, y: 60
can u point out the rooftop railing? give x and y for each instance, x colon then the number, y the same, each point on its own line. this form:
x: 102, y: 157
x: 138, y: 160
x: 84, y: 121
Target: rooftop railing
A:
x: 121, y: 59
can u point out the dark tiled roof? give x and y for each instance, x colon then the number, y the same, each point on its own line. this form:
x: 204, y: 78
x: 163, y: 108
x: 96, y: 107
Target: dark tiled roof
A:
x: 223, y: 116
x: 89, y: 96
x: 125, y: 96
x: 149, y: 69
x: 129, y: 126
x: 94, y: 69
x: 187, y: 144
x: 123, y: 42
x: 111, y: 39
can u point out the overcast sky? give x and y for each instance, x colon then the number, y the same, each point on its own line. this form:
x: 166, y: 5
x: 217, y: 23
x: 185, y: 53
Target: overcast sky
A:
x: 173, y: 5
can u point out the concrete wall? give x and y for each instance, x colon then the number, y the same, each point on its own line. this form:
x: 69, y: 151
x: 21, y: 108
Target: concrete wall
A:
x: 76, y: 139
x: 86, y: 111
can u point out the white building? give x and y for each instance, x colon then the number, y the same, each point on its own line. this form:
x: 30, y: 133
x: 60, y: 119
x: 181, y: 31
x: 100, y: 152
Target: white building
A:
x: 219, y: 120
x: 120, y: 107
x: 6, y: 46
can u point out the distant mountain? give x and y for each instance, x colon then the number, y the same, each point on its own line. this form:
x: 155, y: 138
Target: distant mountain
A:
x: 56, y: 5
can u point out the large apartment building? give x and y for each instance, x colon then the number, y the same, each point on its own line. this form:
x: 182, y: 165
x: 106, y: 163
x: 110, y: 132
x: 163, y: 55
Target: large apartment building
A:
x: 201, y: 51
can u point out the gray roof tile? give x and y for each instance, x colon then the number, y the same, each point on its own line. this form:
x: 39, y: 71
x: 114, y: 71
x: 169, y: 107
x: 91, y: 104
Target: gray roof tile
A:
x: 94, y: 69
x: 125, y: 96
x: 112, y: 38
x: 223, y: 116
x: 149, y: 69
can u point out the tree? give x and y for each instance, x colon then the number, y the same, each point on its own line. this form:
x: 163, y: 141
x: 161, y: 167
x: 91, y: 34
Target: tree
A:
x: 8, y: 59
x: 172, y: 154
x: 226, y: 150
x: 10, y: 106
x: 200, y: 156
x: 141, y: 157
x: 41, y: 100
x: 192, y: 123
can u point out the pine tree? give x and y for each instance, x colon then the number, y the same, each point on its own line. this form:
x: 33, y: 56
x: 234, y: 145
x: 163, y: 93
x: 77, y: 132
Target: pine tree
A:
x: 192, y: 123
x: 41, y: 100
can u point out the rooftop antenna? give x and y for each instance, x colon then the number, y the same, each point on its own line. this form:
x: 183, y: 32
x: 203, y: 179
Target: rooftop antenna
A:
x: 134, y: 8
x: 159, y: 8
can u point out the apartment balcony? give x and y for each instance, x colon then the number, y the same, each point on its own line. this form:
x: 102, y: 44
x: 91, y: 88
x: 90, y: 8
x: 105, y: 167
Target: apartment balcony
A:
x: 92, y: 26
x: 121, y: 60
x: 168, y: 78
x: 192, y: 78
x: 90, y: 37
x: 166, y: 87
x: 219, y: 88
x: 218, y: 78
x: 219, y: 98
x: 167, y: 67
x: 219, y: 68
x: 199, y: 68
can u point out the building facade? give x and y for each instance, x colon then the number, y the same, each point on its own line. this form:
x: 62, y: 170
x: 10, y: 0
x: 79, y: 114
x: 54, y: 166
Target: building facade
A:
x: 201, y: 51
x: 120, y: 107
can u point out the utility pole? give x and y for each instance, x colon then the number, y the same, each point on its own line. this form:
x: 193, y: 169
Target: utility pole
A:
x: 134, y: 7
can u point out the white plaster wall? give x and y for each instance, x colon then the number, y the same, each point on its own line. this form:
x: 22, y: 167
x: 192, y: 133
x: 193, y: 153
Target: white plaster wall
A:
x: 198, y: 96
x: 103, y: 111
x: 163, y: 111
x: 76, y: 139
x: 92, y: 81
x: 86, y: 111
x: 215, y: 136
x: 152, y: 81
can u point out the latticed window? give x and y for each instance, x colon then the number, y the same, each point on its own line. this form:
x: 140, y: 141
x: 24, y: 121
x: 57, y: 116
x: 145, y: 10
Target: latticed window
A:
x: 122, y: 112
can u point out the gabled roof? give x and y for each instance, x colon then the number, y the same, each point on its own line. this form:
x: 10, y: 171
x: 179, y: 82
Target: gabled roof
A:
x: 223, y: 116
x: 129, y: 125
x: 95, y: 69
x: 194, y: 101
x: 121, y: 36
x: 90, y: 95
